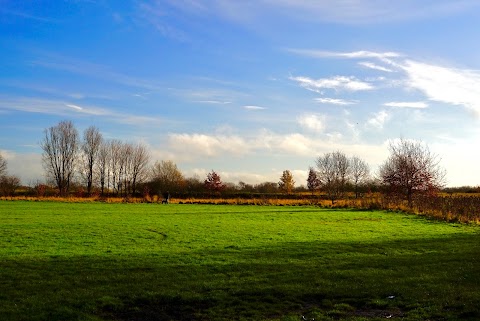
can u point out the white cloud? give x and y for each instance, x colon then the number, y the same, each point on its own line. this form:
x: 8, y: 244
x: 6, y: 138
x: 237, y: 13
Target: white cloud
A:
x: 27, y: 166
x: 61, y: 108
x: 314, y: 123
x: 336, y: 83
x: 267, y: 12
x: 215, y: 102
x: 407, y: 104
x: 378, y: 120
x: 362, y: 54
x: 230, y: 148
x: 74, y: 107
x: 335, y: 101
x: 448, y: 85
x: 371, y: 65
x: 208, y: 145
x: 253, y: 107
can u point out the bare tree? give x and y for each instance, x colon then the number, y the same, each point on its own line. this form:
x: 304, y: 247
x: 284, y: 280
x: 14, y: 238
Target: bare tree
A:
x: 286, y: 182
x: 102, y: 168
x: 114, y: 166
x: 3, y: 166
x: 333, y: 173
x: 8, y: 185
x: 60, y: 148
x: 92, y: 141
x: 139, y: 165
x: 166, y: 176
x: 411, y: 168
x: 313, y: 182
x: 359, y: 172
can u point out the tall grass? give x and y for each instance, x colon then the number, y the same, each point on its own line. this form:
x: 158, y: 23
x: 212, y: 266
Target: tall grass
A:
x: 452, y: 208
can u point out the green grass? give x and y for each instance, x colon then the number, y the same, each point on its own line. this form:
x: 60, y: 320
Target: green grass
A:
x: 75, y: 261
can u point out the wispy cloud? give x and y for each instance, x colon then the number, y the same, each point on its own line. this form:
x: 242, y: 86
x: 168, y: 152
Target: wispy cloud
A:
x: 378, y: 120
x: 362, y: 54
x: 344, y: 12
x: 314, y: 123
x: 407, y: 104
x: 157, y: 15
x: 371, y: 65
x: 443, y: 84
x: 253, y: 107
x: 66, y: 64
x: 25, y: 15
x: 337, y: 83
x: 454, y: 86
x: 68, y: 109
x: 335, y: 101
x: 214, y: 102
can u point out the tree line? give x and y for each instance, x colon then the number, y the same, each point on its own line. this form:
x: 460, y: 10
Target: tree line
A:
x: 110, y: 166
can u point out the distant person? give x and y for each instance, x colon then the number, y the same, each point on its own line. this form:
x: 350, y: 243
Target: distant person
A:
x: 166, y: 197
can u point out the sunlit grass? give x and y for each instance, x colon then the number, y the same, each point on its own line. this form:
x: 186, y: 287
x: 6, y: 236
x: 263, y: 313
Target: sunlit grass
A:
x: 94, y: 261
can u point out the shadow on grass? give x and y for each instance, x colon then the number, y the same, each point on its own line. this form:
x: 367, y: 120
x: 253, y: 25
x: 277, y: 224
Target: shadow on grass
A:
x: 436, y: 279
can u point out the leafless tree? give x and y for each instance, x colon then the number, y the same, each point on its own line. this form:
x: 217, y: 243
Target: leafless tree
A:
x: 286, y: 182
x: 411, y: 168
x: 359, y: 172
x: 3, y: 166
x: 92, y: 141
x: 115, y: 165
x: 139, y: 165
x: 8, y: 185
x: 333, y: 173
x: 166, y: 176
x: 60, y: 149
x: 102, y: 168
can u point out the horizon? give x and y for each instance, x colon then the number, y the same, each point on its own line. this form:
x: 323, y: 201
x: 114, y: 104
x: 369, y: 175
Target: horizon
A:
x: 247, y: 90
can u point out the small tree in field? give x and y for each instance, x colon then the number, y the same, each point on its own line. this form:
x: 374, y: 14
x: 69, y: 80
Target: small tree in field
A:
x: 286, y: 183
x: 313, y: 182
x: 359, y: 172
x: 167, y: 177
x: 411, y: 168
x: 60, y: 148
x: 333, y: 173
x: 213, y: 182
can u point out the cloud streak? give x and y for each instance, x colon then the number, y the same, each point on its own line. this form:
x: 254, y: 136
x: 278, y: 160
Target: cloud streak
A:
x: 335, y: 101
x: 66, y: 109
x: 336, y: 83
x: 371, y: 65
x: 447, y: 85
x: 362, y: 54
x: 407, y: 104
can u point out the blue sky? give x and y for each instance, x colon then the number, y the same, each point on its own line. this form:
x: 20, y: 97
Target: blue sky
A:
x: 247, y: 88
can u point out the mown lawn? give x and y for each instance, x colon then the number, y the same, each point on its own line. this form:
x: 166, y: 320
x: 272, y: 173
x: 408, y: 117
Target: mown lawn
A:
x: 93, y: 261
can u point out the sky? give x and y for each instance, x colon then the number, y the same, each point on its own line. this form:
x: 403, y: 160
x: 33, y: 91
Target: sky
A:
x: 245, y: 88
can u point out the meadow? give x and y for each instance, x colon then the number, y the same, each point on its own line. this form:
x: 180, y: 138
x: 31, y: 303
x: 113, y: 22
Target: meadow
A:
x: 100, y: 261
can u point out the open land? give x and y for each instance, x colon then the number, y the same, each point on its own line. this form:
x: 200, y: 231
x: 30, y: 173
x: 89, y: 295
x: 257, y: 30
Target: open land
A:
x: 94, y: 261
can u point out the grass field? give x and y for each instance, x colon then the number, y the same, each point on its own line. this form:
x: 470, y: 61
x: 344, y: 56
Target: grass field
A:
x: 93, y: 261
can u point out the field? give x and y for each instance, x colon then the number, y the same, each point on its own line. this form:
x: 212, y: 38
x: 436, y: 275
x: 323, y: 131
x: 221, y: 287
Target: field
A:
x: 94, y: 261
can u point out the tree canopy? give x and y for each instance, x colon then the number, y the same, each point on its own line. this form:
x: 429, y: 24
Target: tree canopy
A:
x: 411, y: 168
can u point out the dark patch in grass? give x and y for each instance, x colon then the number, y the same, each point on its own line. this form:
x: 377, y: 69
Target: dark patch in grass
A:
x: 378, y: 313
x: 158, y: 308
x: 157, y: 232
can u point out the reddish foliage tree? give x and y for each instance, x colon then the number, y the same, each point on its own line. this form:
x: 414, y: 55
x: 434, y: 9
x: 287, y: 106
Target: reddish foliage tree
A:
x: 214, y: 182
x: 412, y: 168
